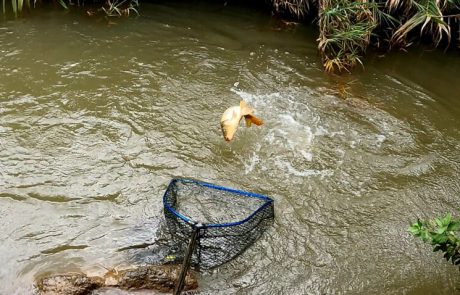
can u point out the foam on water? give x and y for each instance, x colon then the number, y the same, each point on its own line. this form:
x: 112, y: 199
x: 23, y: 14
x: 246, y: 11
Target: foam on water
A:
x: 291, y: 133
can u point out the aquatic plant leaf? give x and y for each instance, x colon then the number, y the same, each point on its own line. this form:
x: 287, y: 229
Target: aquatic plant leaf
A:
x: 441, y: 234
x: 453, y: 226
x: 442, y: 229
x: 415, y: 228
x: 447, y: 219
x: 438, y: 221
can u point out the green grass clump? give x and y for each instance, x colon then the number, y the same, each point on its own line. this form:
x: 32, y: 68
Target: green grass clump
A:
x: 347, y: 28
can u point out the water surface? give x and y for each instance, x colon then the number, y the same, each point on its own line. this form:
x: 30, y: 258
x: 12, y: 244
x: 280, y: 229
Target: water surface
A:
x: 96, y: 118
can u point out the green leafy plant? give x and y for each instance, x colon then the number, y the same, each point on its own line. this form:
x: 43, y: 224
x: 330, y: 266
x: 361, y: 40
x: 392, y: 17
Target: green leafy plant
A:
x: 442, y: 234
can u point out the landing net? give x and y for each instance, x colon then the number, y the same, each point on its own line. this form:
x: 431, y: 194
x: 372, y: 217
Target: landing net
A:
x: 227, y: 221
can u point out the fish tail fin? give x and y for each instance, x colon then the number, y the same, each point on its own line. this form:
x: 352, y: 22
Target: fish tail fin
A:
x: 253, y: 119
x: 245, y: 109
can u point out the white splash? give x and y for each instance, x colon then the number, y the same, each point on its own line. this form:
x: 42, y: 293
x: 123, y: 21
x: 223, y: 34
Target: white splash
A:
x: 306, y: 172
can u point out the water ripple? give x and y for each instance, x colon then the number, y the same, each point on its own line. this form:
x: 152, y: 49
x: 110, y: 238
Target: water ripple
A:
x: 94, y: 122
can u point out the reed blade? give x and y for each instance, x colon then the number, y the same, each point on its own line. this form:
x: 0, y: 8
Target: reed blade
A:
x: 15, y: 7
x: 62, y: 2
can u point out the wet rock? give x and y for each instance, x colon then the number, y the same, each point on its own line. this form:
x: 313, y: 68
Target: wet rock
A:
x: 153, y: 277
x: 67, y: 284
x: 158, y: 277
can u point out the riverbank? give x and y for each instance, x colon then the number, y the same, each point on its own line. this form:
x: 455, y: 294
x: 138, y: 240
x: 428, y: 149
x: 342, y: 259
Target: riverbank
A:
x: 346, y: 28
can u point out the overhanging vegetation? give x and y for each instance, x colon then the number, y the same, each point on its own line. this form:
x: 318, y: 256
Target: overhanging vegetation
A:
x: 346, y: 27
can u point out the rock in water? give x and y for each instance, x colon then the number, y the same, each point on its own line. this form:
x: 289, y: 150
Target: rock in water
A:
x: 158, y: 277
x: 68, y: 284
x: 154, y: 277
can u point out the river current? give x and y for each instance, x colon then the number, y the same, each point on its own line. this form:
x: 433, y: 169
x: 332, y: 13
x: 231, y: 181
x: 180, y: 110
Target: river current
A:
x: 97, y: 117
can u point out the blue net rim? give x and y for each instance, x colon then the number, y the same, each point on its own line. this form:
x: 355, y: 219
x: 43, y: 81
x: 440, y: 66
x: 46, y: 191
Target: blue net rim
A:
x: 268, y: 202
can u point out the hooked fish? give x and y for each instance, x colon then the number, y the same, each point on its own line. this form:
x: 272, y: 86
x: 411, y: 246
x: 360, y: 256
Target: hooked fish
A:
x: 232, y: 116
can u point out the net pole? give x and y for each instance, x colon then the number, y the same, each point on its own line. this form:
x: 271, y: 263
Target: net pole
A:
x: 187, y: 259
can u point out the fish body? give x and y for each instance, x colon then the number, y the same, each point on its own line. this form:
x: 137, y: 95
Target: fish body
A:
x: 232, y: 116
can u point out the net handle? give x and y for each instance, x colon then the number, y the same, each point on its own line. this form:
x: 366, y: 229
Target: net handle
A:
x: 187, y: 258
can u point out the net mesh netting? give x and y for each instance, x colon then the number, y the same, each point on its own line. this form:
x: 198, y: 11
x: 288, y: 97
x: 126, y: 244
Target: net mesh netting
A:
x: 231, y: 220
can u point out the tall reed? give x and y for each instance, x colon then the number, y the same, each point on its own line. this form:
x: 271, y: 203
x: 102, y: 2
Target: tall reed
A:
x: 109, y: 7
x: 16, y: 6
x: 347, y: 28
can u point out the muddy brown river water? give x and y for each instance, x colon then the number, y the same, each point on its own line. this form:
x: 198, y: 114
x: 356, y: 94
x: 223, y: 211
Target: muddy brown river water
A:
x: 95, y: 120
